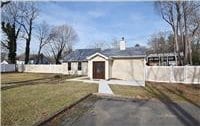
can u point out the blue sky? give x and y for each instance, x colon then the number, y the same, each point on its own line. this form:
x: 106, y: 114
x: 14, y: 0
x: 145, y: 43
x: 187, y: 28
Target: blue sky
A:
x: 103, y: 21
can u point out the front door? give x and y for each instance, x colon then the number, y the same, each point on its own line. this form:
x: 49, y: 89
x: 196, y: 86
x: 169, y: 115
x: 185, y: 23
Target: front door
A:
x: 99, y: 70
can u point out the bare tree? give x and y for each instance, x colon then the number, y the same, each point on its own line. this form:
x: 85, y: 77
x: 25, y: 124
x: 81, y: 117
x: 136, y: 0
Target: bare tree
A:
x: 115, y: 43
x: 192, y: 26
x: 62, y: 39
x: 101, y: 44
x: 160, y: 43
x: 196, y: 51
x: 11, y: 14
x: 167, y: 11
x: 43, y: 35
x: 30, y: 12
x: 183, y: 17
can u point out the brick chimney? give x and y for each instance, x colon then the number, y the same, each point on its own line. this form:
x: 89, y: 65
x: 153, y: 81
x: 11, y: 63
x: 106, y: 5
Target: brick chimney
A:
x: 122, y: 44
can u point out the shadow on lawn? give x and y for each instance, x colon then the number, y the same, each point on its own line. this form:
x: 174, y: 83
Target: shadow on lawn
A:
x: 18, y: 82
x: 182, y: 96
x: 186, y: 118
x: 47, y: 80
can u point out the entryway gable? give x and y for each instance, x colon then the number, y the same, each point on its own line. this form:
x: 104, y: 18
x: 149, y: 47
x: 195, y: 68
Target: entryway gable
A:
x: 98, y: 66
x: 97, y: 55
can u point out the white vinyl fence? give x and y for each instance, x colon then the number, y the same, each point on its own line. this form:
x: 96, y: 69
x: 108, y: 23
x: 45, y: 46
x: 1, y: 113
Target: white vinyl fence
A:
x: 8, y: 68
x: 170, y: 74
x: 174, y: 74
x: 48, y: 68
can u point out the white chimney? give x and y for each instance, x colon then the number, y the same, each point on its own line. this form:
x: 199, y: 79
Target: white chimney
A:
x: 122, y: 44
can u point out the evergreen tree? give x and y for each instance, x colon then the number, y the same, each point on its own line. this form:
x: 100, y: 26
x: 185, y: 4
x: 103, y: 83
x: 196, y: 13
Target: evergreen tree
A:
x: 11, y: 41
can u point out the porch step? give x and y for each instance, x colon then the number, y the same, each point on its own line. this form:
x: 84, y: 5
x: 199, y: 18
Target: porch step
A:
x: 104, y: 87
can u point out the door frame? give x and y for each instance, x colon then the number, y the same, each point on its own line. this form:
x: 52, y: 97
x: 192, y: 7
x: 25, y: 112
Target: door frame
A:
x: 93, y: 69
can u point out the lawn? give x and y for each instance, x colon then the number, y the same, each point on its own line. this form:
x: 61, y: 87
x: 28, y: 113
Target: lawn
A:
x: 17, y: 78
x: 25, y: 105
x: 161, y: 91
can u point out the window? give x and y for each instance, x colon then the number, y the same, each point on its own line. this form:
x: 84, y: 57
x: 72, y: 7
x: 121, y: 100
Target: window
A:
x: 69, y: 66
x: 79, y: 66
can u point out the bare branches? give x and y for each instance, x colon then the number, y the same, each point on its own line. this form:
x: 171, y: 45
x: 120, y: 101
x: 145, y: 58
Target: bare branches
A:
x: 4, y: 45
x: 183, y: 17
x: 29, y: 13
x: 161, y: 42
x: 3, y: 3
x: 43, y: 35
x: 101, y: 44
x: 62, y: 40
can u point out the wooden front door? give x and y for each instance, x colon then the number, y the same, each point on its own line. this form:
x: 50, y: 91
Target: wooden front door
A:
x: 99, y: 70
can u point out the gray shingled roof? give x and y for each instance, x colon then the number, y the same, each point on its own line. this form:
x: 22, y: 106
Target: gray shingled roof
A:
x: 129, y: 52
x: 80, y: 54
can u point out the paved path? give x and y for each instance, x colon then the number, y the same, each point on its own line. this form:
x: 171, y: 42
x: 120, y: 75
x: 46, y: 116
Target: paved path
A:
x: 140, y: 113
x: 127, y: 82
x: 114, y: 82
x: 104, y: 87
x: 116, y: 112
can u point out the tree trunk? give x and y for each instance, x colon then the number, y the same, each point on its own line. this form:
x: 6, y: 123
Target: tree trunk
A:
x: 11, y: 40
x: 38, y: 55
x: 27, y: 52
x: 177, y: 34
x: 186, y: 42
x: 190, y: 53
x: 58, y: 57
x: 28, y: 40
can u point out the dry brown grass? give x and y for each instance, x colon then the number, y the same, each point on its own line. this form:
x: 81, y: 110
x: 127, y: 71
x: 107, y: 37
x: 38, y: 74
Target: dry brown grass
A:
x: 25, y: 105
x: 7, y: 78
x: 162, y: 91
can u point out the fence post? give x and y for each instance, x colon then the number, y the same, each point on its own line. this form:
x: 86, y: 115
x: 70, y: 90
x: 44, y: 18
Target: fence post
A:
x: 145, y: 68
x: 185, y: 74
x: 171, y: 74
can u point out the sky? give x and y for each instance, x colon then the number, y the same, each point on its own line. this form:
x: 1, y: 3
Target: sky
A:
x: 104, y: 21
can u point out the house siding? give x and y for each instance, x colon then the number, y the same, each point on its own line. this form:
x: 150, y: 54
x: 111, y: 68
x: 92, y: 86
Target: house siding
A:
x: 128, y: 69
x: 74, y: 68
x: 125, y: 69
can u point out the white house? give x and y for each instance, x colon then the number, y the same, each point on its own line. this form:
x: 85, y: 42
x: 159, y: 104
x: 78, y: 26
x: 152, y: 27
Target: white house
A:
x: 115, y: 63
x: 4, y: 62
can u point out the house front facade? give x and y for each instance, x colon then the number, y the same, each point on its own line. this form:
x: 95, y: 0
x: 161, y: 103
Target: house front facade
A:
x: 76, y: 62
x: 115, y: 63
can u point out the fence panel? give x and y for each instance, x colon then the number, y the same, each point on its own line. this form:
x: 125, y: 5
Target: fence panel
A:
x: 8, y: 68
x: 192, y: 74
x: 175, y: 74
x: 155, y: 73
x: 43, y: 68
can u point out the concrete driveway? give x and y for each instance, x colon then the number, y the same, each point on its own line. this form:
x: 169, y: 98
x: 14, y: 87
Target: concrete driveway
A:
x: 126, y: 112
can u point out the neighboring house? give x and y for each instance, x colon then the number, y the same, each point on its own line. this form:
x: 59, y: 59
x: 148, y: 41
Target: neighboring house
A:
x: 123, y: 63
x: 4, y: 57
x: 4, y: 62
x: 162, y: 59
x: 77, y: 62
x: 32, y: 59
